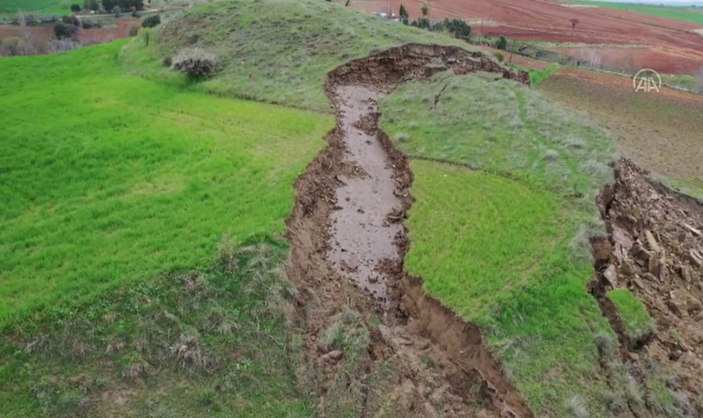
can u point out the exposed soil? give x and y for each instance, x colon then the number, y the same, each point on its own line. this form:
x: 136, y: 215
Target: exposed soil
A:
x: 661, y: 131
x: 655, y: 248
x: 347, y: 247
x: 670, y: 46
x: 42, y: 34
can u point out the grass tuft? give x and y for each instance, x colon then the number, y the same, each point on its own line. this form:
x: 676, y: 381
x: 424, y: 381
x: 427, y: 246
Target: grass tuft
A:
x: 632, y: 313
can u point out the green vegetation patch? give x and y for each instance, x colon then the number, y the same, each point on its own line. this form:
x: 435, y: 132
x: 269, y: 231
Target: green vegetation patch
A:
x: 506, y: 247
x: 691, y: 14
x: 40, y: 6
x: 505, y: 227
x: 109, y: 179
x: 537, y: 76
x: 273, y: 51
x: 500, y: 127
x: 632, y: 313
x: 194, y: 342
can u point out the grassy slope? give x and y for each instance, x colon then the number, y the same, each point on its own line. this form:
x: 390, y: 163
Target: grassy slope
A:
x: 191, y: 343
x: 273, y: 50
x: 37, y: 6
x: 691, y: 14
x: 507, y: 249
x: 112, y: 178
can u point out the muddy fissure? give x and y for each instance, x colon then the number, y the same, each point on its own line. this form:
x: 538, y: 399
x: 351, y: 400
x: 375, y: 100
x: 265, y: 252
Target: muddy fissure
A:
x: 654, y: 247
x: 376, y: 342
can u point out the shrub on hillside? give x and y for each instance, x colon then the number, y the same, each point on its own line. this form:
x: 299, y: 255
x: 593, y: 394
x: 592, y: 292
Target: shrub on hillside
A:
x: 196, y: 62
x: 133, y: 30
x: 75, y: 8
x: 93, y: 5
x: 502, y: 43
x: 13, y: 45
x: 62, y: 30
x: 151, y: 21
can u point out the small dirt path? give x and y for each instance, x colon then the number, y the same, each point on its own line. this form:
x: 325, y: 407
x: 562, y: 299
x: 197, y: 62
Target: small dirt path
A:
x: 377, y: 344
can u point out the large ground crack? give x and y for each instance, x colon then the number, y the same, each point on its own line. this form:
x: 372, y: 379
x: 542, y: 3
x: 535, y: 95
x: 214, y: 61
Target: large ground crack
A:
x: 654, y: 247
x: 378, y: 343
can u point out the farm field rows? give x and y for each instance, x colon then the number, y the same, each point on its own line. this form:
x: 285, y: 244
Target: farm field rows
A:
x: 667, y: 45
x: 660, y: 131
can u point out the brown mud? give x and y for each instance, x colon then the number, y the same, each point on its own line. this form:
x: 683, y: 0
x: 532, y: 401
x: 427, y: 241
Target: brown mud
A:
x: 374, y: 343
x: 654, y: 248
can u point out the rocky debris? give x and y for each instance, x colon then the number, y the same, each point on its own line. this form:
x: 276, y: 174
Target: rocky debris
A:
x: 656, y: 247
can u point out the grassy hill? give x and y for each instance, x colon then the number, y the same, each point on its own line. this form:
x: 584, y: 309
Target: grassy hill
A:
x: 144, y: 218
x: 274, y: 51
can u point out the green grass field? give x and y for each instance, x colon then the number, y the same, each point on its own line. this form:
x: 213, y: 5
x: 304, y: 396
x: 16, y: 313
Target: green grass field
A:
x: 112, y: 185
x: 37, y: 6
x: 691, y: 14
x: 112, y: 178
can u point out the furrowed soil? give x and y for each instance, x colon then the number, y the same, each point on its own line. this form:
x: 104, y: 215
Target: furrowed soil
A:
x: 654, y: 248
x: 658, y: 130
x: 379, y: 344
x: 666, y: 45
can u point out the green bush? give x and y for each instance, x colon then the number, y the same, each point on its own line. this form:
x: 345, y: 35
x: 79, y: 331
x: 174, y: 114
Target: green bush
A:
x: 151, y: 21
x: 195, y: 62
x: 93, y: 5
x: 75, y: 8
x: 502, y: 43
x: 62, y: 30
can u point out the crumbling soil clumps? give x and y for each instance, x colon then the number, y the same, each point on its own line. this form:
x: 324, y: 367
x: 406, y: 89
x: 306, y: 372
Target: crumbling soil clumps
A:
x: 655, y: 249
x: 373, y: 343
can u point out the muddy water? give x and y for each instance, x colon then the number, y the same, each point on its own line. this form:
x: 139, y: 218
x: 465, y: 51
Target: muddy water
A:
x: 362, y: 235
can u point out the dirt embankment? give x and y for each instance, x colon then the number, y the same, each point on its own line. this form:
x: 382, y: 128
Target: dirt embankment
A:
x: 655, y: 248
x: 377, y: 343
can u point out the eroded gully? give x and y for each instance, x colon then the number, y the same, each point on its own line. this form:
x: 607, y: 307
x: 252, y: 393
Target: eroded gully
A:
x: 347, y: 246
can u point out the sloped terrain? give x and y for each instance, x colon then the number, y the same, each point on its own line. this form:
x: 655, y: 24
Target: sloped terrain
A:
x: 440, y: 270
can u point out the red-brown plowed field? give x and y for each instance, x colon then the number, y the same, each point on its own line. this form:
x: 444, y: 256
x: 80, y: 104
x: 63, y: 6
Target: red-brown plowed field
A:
x: 44, y: 33
x: 670, y: 46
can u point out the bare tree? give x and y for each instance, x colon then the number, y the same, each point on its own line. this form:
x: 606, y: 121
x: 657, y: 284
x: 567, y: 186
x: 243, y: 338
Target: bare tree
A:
x: 574, y: 22
x: 30, y: 44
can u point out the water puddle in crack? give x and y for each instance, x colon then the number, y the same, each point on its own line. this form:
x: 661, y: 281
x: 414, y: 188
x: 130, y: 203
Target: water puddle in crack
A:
x: 362, y: 236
